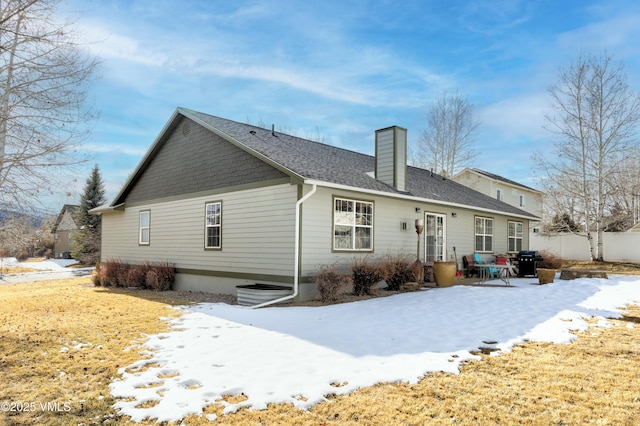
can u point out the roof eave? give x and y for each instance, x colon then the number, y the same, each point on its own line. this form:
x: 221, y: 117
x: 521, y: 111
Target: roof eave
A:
x: 106, y: 208
x: 415, y: 198
x: 478, y: 172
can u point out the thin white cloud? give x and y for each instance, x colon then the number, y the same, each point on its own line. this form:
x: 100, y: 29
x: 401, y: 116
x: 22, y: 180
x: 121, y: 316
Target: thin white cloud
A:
x: 613, y: 34
x: 120, y: 149
x: 517, y: 117
x: 108, y: 44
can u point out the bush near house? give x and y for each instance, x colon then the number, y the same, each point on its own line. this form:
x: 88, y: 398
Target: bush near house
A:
x: 365, y: 274
x: 330, y: 282
x: 158, y: 276
x: 397, y: 270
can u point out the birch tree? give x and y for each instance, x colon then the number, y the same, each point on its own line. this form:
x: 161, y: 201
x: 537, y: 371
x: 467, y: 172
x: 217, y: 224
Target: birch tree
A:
x: 446, y: 146
x: 594, y: 116
x: 44, y: 77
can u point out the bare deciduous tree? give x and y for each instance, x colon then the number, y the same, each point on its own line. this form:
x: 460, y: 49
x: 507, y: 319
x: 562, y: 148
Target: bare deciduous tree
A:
x: 446, y: 145
x: 594, y: 116
x: 44, y: 76
x: 626, y: 189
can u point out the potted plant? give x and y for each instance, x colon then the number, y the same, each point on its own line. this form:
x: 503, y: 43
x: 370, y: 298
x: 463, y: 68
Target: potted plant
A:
x: 548, y: 267
x: 444, y: 273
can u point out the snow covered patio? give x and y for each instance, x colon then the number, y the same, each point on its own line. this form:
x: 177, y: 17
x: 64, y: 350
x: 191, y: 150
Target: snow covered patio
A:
x: 300, y: 354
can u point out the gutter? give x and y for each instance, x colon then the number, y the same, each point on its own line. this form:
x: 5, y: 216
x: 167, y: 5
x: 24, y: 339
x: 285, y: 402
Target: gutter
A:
x: 417, y: 199
x: 296, y: 254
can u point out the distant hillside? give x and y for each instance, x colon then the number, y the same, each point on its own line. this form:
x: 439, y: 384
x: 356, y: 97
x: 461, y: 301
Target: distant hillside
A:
x: 32, y: 218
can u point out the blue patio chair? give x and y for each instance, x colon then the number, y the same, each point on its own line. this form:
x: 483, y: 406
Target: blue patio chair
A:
x: 493, y: 272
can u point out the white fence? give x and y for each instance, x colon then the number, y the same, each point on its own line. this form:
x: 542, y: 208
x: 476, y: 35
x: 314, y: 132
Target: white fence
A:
x: 618, y: 246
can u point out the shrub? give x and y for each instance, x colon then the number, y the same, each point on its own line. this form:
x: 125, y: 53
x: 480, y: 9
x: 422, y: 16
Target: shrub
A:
x: 160, y: 276
x: 365, y: 274
x: 397, y: 270
x: 116, y: 273
x: 122, y: 272
x: 137, y: 276
x: 113, y: 273
x: 22, y: 255
x: 97, y: 275
x: 549, y: 261
x: 330, y: 282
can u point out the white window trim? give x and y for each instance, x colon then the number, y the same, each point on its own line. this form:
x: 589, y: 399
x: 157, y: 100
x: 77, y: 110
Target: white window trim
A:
x: 484, y: 235
x: 207, y: 226
x: 353, y: 225
x: 142, y: 228
x: 515, y: 237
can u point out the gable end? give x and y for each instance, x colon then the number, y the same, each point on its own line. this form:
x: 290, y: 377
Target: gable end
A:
x: 193, y: 159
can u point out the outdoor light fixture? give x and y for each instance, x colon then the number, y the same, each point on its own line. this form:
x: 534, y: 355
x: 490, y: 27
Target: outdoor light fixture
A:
x: 454, y: 214
x: 418, y: 264
x: 417, y: 211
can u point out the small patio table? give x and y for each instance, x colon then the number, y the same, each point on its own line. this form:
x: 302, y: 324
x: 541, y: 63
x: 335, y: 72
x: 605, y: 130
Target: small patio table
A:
x: 504, y: 271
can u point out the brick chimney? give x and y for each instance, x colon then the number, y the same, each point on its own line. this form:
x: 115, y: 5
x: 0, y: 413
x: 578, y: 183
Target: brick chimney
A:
x: 391, y: 157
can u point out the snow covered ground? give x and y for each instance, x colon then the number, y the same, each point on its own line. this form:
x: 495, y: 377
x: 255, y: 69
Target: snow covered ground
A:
x: 45, y: 265
x: 47, y: 269
x: 300, y: 354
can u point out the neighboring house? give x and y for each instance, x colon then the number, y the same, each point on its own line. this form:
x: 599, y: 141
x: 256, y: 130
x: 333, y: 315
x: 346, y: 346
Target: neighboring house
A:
x: 634, y: 228
x: 229, y: 204
x: 62, y: 231
x: 503, y: 189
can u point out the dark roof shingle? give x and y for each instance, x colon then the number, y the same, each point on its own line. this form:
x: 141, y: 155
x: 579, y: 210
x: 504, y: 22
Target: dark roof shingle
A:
x: 327, y: 163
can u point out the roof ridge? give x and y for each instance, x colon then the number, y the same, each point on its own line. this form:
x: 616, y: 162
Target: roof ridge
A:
x: 276, y: 131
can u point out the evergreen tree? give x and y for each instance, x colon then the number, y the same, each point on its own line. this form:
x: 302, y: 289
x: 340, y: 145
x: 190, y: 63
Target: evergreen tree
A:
x: 88, y: 237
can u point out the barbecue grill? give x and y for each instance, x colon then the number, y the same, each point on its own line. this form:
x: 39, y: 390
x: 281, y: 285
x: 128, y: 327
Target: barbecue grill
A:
x: 527, y: 263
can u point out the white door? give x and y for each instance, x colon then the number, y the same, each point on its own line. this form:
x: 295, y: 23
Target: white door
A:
x: 435, y: 237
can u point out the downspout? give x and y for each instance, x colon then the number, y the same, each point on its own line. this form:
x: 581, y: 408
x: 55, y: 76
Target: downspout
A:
x: 296, y: 254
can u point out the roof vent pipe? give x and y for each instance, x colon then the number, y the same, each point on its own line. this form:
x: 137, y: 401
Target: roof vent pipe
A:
x: 273, y: 130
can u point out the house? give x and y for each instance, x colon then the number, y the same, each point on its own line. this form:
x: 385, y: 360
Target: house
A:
x: 63, y: 229
x: 503, y: 189
x: 233, y: 204
x: 634, y: 228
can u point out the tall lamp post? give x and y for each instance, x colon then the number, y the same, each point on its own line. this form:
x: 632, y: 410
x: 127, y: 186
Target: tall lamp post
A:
x: 419, y: 269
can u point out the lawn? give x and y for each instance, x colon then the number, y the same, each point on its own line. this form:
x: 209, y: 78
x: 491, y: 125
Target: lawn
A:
x: 62, y: 343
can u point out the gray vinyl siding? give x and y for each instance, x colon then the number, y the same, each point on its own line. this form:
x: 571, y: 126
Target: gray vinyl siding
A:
x: 192, y: 160
x: 257, y: 232
x: 391, y: 156
x: 389, y: 238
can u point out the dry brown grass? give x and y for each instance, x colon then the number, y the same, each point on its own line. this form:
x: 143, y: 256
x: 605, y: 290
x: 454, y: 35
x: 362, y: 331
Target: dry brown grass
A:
x: 621, y: 268
x: 61, y: 342
x: 591, y: 381
x: 15, y: 270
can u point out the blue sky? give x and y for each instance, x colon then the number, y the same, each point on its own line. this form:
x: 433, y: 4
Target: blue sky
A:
x: 339, y: 68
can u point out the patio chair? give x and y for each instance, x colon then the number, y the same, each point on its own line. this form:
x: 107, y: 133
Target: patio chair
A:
x: 493, y: 272
x: 469, y: 266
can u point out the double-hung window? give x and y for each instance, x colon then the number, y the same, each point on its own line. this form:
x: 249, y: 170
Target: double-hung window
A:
x: 144, y: 227
x: 352, y: 225
x: 514, y: 234
x: 484, y: 234
x: 213, y: 226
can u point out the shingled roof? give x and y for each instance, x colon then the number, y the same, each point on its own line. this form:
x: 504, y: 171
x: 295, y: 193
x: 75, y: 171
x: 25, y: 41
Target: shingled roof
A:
x: 326, y: 163
x: 314, y: 162
x: 502, y: 179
